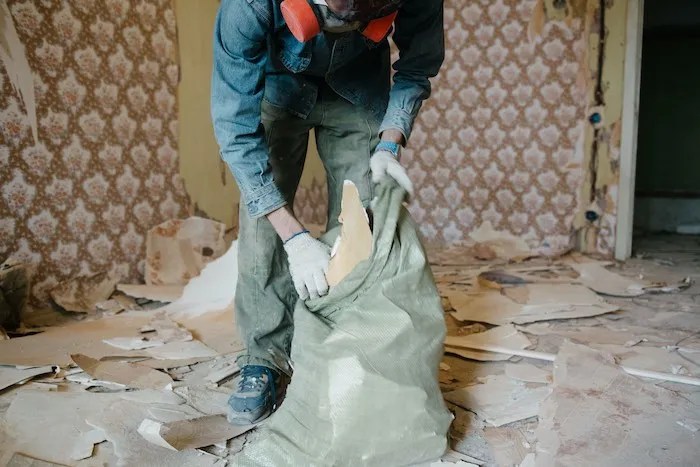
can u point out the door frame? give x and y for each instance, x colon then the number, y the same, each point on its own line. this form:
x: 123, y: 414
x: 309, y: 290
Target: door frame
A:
x: 630, y: 123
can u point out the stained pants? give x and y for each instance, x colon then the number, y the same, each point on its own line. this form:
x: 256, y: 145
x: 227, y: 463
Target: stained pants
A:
x: 265, y: 296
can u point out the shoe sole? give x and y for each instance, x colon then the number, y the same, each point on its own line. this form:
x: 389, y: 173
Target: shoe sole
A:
x: 241, y: 419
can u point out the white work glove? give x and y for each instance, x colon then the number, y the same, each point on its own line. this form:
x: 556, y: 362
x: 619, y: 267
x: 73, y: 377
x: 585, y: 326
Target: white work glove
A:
x: 383, y: 164
x: 308, y: 264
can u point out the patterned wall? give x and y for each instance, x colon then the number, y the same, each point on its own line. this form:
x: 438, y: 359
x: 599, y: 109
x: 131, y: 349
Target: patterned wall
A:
x: 105, y: 168
x: 501, y: 139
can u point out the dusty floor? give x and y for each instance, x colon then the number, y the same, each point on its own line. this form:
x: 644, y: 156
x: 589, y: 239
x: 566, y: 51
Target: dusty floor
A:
x: 661, y: 320
x: 588, y: 412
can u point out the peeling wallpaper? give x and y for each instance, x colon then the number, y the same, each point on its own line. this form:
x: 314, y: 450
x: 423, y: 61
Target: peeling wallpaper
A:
x: 14, y: 58
x: 105, y: 167
x: 505, y: 136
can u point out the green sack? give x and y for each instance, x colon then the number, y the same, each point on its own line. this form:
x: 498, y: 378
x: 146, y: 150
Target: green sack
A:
x: 365, y: 387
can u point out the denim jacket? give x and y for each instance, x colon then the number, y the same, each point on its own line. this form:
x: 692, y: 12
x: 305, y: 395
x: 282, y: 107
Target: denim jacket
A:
x: 256, y: 57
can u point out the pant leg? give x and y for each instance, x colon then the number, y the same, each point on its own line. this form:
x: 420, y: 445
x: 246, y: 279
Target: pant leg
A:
x: 346, y: 137
x: 265, y: 295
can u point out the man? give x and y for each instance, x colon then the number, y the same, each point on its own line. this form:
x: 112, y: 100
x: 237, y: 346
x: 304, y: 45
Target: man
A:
x: 281, y: 69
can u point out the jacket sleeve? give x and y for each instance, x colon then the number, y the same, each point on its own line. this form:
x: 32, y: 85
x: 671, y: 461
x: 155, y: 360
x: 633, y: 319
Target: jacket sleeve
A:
x: 420, y: 39
x: 238, y: 83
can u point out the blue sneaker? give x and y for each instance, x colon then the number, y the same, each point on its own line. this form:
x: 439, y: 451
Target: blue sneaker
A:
x: 256, y: 396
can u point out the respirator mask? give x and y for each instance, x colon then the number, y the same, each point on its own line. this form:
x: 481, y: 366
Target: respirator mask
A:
x: 307, y: 18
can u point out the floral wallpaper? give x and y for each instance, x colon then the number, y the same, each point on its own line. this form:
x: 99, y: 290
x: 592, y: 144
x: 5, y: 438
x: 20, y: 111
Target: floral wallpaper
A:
x: 105, y: 167
x: 501, y: 138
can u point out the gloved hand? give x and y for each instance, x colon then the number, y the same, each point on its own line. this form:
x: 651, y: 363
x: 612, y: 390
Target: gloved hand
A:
x: 308, y: 264
x: 384, y: 163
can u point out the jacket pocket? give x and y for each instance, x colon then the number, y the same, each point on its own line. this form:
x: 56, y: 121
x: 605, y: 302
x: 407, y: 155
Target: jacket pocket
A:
x: 294, y: 55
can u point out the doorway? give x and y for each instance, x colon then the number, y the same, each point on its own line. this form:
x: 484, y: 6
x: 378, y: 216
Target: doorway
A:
x: 667, y: 195
x: 666, y: 184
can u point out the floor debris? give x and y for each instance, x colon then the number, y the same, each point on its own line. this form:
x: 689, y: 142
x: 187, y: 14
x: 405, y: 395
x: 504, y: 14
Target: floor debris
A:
x: 85, y: 446
x: 54, y: 346
x: 160, y: 331
x: 595, y: 276
x: 528, y: 304
x: 500, y: 400
x: 173, y: 364
x: 127, y: 303
x: 213, y: 289
x: 31, y: 412
x: 499, y: 280
x: 91, y: 383
x: 675, y: 375
x: 645, y: 335
x: 670, y: 288
x: 528, y: 373
x: 651, y: 358
x: 120, y: 421
x: 177, y: 250
x: 9, y: 376
x: 216, y: 329
x: 585, y: 334
x: 82, y: 294
x: 19, y: 460
x: 598, y: 413
x: 466, y: 346
x: 509, y: 445
x: 224, y: 373
x: 124, y: 357
x: 190, y: 434
x: 207, y: 400
x: 467, y: 436
x: 156, y: 293
x: 508, y: 319
x: 110, y: 307
x: 457, y: 457
x: 129, y: 374
x: 182, y: 350
x: 610, y: 333
x: 493, y: 244
x: 543, y: 302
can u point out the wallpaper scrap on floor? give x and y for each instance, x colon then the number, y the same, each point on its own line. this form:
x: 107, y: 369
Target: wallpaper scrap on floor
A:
x: 105, y: 168
x: 501, y: 138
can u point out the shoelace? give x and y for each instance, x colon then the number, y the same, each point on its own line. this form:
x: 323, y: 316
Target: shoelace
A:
x: 252, y: 379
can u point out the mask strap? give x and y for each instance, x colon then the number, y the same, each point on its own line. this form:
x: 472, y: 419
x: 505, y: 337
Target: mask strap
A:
x: 379, y: 28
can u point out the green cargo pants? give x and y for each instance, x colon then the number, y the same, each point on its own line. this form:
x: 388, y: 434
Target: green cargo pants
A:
x: 265, y: 296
